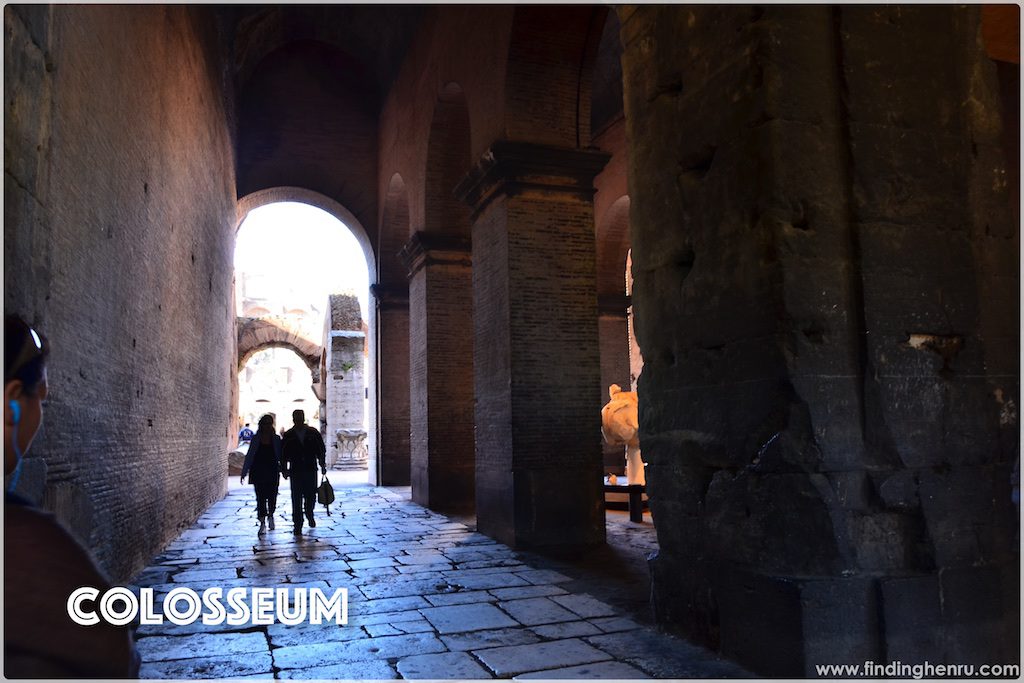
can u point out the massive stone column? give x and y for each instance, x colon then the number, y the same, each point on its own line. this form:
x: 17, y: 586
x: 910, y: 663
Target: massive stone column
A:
x: 440, y: 370
x: 537, y: 375
x: 393, y: 383
x: 826, y: 299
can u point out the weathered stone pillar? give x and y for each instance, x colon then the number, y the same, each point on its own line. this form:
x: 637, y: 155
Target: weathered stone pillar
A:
x: 826, y: 297
x: 440, y: 370
x: 613, y: 332
x: 537, y: 375
x: 393, y: 382
x: 343, y: 382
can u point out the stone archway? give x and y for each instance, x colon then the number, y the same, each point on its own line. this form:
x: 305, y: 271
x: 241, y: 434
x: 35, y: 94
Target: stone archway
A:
x: 311, y: 351
x: 301, y: 195
x: 257, y: 334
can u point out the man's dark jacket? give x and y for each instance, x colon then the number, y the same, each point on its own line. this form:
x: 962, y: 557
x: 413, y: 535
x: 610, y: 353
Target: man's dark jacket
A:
x: 302, y: 454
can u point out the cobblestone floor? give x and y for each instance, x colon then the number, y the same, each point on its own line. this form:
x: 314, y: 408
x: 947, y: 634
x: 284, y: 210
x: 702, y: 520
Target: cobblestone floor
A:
x: 428, y: 598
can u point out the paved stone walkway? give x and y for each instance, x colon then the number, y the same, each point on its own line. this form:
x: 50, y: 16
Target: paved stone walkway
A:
x: 428, y: 598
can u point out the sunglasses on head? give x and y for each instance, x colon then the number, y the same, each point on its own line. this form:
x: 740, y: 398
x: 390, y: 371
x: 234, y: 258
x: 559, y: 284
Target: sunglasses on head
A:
x: 31, y: 348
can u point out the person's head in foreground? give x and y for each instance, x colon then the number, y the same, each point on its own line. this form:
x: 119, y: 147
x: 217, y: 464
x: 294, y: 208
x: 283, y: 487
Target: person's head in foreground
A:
x: 45, y: 564
x: 25, y: 353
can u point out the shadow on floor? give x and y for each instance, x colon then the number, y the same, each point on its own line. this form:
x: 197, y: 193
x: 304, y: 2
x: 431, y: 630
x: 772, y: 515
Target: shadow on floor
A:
x: 615, y: 573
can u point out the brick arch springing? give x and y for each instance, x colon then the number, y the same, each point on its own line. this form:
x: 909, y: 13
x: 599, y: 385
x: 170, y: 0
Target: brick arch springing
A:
x: 612, y: 247
x: 549, y: 75
x: 448, y: 161
x: 258, y: 334
x: 300, y: 347
x: 394, y: 231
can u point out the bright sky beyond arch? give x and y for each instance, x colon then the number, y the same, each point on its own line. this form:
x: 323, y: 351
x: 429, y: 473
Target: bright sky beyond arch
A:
x: 301, y: 245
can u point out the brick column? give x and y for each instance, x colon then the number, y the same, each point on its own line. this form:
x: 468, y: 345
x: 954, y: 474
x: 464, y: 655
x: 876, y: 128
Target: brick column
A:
x: 393, y: 382
x: 537, y: 374
x: 440, y: 370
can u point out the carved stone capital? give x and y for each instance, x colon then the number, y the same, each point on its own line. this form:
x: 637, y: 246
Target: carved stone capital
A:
x: 427, y: 248
x: 511, y: 168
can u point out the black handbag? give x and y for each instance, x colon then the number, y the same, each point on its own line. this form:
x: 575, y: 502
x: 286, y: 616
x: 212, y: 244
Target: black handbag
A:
x: 325, y: 494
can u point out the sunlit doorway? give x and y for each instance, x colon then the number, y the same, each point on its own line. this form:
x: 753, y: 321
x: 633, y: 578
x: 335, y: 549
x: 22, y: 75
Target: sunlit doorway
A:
x: 301, y: 282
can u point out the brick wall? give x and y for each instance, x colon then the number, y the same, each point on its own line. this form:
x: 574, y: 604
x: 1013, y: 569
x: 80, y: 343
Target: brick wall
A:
x: 548, y: 96
x: 441, y: 379
x: 327, y: 144
x: 393, y: 390
x: 118, y: 215
x: 536, y: 345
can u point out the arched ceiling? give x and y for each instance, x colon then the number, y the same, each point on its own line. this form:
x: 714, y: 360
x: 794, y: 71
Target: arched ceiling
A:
x: 377, y: 36
x: 606, y: 96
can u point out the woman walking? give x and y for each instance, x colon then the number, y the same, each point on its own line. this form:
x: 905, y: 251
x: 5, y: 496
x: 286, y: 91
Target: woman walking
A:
x: 263, y: 465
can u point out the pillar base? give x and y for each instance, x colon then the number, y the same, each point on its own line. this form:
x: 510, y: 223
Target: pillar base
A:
x: 542, y: 508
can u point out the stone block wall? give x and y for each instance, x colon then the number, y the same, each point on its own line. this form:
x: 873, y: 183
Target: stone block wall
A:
x: 345, y: 345
x: 825, y: 263
x: 118, y: 216
x: 345, y: 384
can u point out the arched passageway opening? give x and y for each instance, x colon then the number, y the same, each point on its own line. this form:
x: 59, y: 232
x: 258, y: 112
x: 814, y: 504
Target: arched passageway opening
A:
x: 301, y: 282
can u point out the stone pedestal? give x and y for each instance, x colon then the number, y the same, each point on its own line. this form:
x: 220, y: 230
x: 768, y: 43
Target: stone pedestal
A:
x: 393, y: 382
x: 440, y: 371
x: 350, y: 449
x: 537, y: 363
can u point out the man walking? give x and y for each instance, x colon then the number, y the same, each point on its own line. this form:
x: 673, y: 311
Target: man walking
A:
x: 302, y: 448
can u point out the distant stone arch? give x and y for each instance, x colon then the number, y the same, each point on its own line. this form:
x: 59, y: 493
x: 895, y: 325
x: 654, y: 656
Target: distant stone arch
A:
x: 256, y: 312
x: 257, y: 334
x: 395, y: 230
x: 448, y: 160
